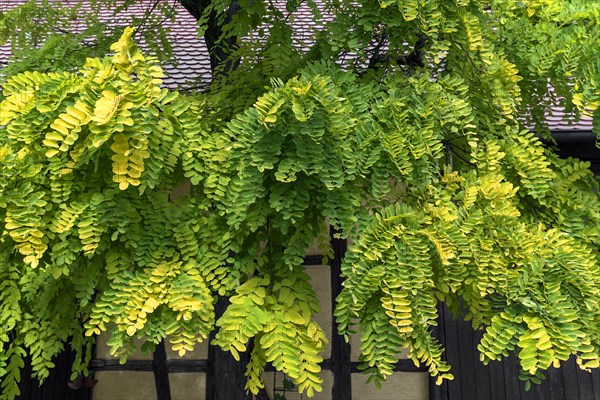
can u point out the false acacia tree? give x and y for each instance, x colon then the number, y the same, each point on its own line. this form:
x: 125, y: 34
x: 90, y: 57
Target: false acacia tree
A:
x: 408, y: 126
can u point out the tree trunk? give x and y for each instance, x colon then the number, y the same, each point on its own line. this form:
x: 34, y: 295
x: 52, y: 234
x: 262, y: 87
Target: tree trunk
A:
x: 219, y: 50
x: 225, y: 379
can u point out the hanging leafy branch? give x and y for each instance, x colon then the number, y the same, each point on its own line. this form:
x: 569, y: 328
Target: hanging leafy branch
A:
x: 85, y: 207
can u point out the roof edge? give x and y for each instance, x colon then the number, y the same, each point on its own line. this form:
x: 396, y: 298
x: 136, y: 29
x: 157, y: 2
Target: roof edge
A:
x: 574, y: 137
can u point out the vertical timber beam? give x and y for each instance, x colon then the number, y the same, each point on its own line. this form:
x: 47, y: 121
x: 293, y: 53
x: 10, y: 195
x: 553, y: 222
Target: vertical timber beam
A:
x: 437, y: 392
x: 161, y: 372
x: 340, y: 350
x: 225, y: 378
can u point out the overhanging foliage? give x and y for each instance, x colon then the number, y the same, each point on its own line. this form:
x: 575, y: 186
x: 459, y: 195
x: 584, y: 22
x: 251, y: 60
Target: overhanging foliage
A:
x: 428, y: 170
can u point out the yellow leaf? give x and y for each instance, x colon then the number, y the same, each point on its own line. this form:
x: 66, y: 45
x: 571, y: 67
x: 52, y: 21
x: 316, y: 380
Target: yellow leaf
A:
x: 80, y: 111
x: 271, y: 118
x: 239, y: 346
x: 592, y: 364
x: 53, y: 136
x: 294, y: 317
x: 105, y: 107
x: 4, y: 151
x: 234, y: 353
x: 314, y: 368
x: 69, y: 119
x: 120, y: 146
x: 150, y: 305
x: 51, y: 153
x: 544, y: 343
x: 60, y: 126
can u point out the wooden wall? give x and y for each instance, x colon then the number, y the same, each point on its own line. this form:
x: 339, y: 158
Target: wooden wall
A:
x: 499, y: 379
x: 56, y: 386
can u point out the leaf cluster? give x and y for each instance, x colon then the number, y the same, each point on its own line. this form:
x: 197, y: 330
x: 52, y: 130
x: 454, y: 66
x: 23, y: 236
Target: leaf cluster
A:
x: 129, y: 208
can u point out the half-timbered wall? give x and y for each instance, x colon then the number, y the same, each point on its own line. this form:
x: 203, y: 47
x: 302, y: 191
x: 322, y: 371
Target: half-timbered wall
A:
x: 187, y: 377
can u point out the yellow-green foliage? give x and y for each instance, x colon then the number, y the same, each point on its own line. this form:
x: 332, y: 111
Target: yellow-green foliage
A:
x: 279, y: 318
x: 426, y: 165
x: 88, y: 233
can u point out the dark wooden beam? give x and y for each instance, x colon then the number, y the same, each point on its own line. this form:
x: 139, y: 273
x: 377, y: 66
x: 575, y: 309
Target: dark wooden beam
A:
x: 201, y: 366
x: 313, y: 260
x: 403, y: 365
x: 439, y: 392
x: 161, y: 372
x: 341, y: 364
x: 181, y: 365
x: 177, y: 365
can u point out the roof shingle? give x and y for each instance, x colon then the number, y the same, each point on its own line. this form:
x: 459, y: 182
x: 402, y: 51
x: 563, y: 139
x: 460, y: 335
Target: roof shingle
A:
x: 191, y: 55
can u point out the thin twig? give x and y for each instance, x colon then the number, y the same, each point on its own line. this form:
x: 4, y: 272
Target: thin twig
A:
x: 147, y: 14
x: 449, y: 159
x: 463, y: 159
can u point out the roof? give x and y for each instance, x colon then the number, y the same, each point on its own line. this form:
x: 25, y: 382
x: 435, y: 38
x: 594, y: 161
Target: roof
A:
x: 188, y: 49
x: 193, y: 62
x: 559, y: 121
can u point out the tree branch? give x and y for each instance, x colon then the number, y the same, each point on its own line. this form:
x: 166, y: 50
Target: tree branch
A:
x: 413, y: 60
x: 415, y: 57
x: 219, y: 47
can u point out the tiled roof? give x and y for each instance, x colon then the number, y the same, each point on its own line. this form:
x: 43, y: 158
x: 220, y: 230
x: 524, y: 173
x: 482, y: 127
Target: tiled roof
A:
x: 558, y: 121
x: 191, y: 54
x: 188, y: 49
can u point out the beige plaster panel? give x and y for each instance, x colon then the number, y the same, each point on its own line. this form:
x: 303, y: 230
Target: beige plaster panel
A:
x: 124, y: 385
x: 399, y: 386
x: 187, y: 386
x: 320, y: 279
x: 325, y: 394
x: 314, y: 249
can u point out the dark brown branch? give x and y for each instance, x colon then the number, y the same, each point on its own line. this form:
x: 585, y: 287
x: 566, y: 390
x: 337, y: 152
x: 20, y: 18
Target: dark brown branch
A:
x: 377, y: 57
x: 412, y: 60
x: 415, y: 57
x: 449, y: 159
x: 219, y: 47
x: 147, y: 14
